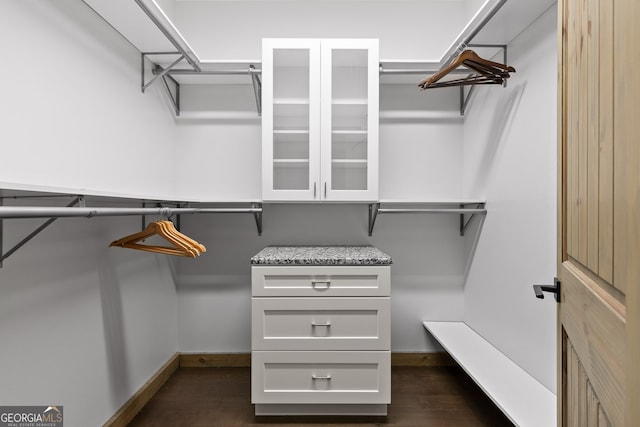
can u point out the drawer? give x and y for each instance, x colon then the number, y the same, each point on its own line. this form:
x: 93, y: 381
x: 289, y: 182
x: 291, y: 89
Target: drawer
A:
x: 325, y: 377
x: 320, y: 323
x: 324, y: 281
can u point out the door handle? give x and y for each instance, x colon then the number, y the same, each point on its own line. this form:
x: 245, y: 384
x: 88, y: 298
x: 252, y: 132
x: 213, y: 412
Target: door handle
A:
x: 554, y: 289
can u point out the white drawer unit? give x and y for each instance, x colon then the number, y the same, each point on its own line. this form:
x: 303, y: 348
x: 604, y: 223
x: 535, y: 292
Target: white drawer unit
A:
x: 321, y: 323
x: 321, y: 335
x: 325, y: 281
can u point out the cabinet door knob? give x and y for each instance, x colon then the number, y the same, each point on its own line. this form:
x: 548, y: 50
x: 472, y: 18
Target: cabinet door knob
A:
x: 314, y: 189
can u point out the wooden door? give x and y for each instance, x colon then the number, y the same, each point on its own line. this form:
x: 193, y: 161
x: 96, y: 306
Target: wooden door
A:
x: 599, y: 205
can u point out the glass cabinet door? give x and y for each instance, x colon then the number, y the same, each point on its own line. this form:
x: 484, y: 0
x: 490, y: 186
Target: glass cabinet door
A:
x: 320, y: 119
x: 349, y: 98
x: 290, y: 122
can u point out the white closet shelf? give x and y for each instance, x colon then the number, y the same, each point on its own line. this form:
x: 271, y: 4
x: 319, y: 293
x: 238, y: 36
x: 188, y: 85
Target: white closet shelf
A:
x: 432, y: 202
x: 461, y: 207
x: 524, y: 400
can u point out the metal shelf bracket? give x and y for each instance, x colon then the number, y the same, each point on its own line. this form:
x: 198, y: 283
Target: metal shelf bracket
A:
x: 75, y: 202
x: 465, y: 97
x: 257, y: 215
x: 164, y: 75
x: 257, y: 88
x: 465, y: 224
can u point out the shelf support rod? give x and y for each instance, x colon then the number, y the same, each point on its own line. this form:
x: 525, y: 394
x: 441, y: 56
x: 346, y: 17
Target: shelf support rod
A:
x: 479, y: 210
x: 464, y: 100
x: 257, y: 216
x: 373, y: 215
x: 33, y: 234
x: 175, y: 99
x: 257, y: 88
x: 1, y: 234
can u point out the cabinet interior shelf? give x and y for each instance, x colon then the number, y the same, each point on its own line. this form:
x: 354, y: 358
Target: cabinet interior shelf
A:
x: 349, y: 162
x: 291, y: 101
x: 349, y: 132
x: 290, y: 131
x: 350, y: 101
x: 290, y: 162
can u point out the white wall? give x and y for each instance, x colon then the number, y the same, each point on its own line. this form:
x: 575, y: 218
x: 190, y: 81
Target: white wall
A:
x: 510, y: 158
x: 420, y: 157
x: 219, y: 140
x: 81, y: 325
x: 214, y: 291
x: 73, y: 115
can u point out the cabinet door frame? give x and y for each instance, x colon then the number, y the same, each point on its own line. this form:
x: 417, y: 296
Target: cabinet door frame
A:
x: 269, y: 46
x: 328, y: 46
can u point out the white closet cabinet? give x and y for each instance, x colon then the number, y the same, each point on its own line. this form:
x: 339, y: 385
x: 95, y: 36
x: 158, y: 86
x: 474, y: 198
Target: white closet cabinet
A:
x: 320, y: 119
x: 321, y: 331
x: 321, y: 339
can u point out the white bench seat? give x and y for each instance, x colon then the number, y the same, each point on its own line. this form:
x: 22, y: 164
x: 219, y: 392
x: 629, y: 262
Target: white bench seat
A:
x: 522, y: 398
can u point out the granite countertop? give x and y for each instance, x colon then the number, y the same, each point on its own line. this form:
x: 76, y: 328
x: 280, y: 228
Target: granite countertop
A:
x: 321, y: 255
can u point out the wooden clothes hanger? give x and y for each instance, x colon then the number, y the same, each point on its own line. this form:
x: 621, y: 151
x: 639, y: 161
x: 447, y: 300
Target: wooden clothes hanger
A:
x: 182, y: 244
x: 488, y: 72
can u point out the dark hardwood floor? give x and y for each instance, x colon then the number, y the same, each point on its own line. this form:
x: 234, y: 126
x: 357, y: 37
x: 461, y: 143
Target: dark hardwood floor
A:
x: 442, y: 396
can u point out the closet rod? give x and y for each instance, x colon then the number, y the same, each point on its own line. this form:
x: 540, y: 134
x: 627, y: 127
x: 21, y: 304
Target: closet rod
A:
x: 183, y: 71
x: 73, y: 212
x: 414, y: 71
x: 254, y: 71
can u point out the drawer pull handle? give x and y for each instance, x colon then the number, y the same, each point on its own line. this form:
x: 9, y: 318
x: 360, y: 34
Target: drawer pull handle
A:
x: 327, y: 324
x: 326, y: 283
x: 321, y: 377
